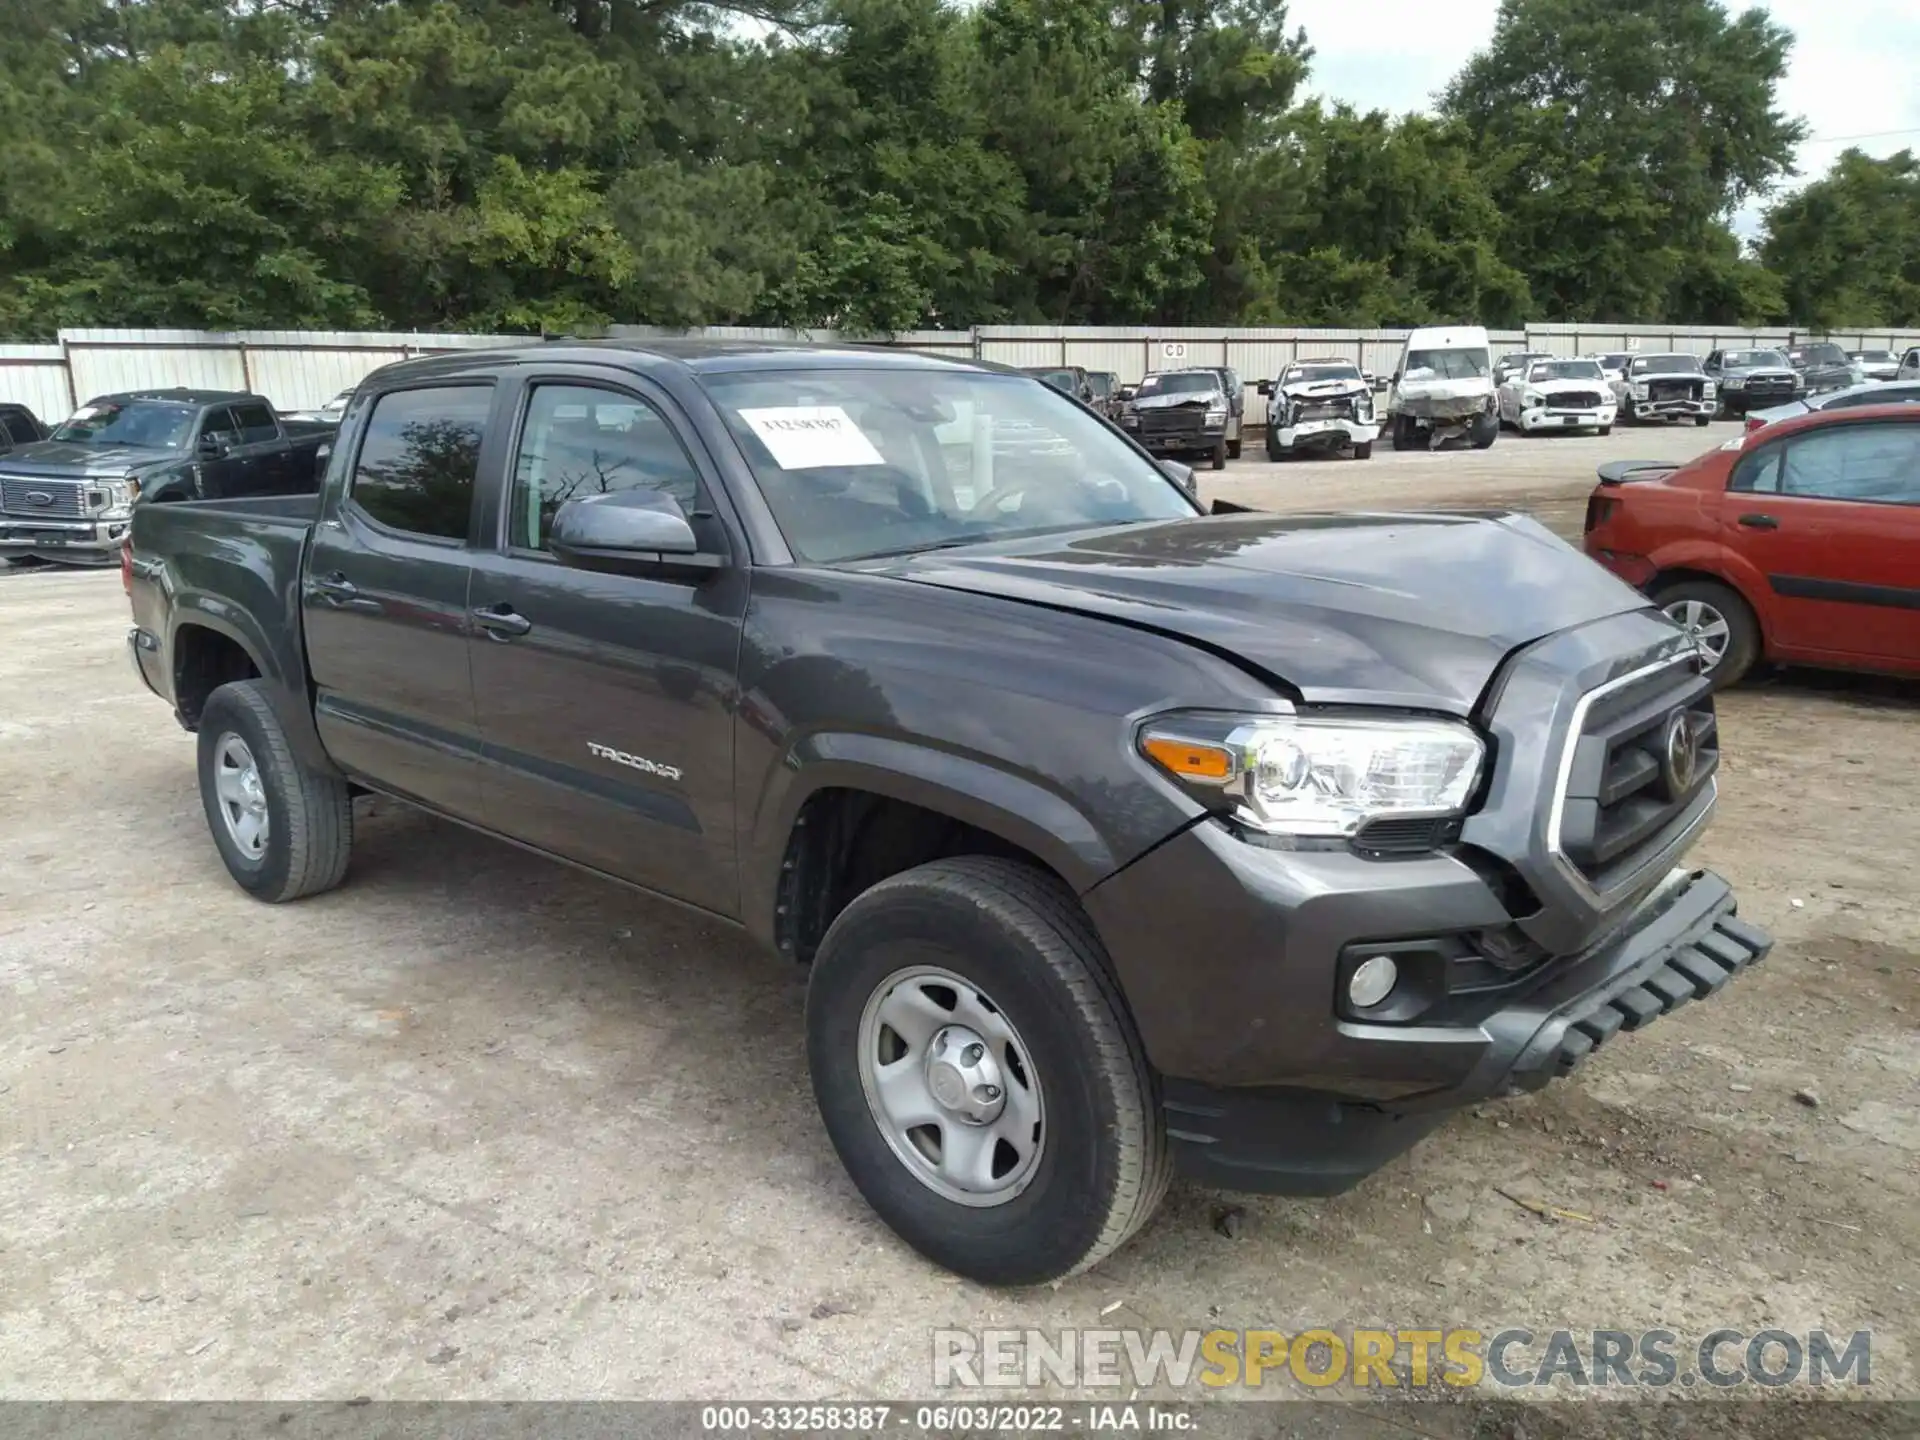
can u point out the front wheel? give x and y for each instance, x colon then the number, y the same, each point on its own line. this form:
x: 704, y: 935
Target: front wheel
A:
x: 1703, y: 420
x: 1233, y: 448
x: 1220, y: 455
x: 1628, y: 415
x: 1718, y: 621
x: 1274, y: 452
x: 1363, y: 451
x: 1486, y: 430
x: 1606, y: 430
x: 283, y: 830
x: 979, y: 1075
x: 1406, y: 435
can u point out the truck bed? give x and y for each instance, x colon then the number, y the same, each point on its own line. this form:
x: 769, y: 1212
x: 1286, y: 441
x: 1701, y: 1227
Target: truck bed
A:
x: 232, y: 566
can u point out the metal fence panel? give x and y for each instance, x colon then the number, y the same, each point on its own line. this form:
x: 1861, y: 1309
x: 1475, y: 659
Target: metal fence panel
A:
x: 107, y: 369
x: 36, y: 376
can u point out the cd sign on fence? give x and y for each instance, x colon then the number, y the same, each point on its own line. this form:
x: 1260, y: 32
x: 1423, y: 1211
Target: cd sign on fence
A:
x: 1173, y: 350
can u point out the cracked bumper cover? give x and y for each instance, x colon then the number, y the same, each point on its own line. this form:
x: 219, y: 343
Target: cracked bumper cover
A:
x: 1266, y: 1088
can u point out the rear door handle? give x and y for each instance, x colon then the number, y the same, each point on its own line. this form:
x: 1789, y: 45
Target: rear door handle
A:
x: 501, y: 622
x: 1759, y: 522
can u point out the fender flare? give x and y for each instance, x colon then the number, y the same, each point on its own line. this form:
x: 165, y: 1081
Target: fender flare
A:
x: 289, y: 698
x: 1717, y: 562
x: 971, y: 789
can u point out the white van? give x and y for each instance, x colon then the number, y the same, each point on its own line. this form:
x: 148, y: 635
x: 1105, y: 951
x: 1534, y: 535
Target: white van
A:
x: 1443, y: 388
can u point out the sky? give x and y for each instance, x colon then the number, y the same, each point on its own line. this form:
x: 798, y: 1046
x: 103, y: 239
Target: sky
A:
x: 1854, y: 69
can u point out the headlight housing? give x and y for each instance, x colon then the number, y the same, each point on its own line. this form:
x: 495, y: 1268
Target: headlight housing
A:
x: 1127, y: 417
x: 1319, y: 775
x: 1531, y: 398
x: 113, y: 499
x: 1216, y: 415
x: 1707, y: 391
x: 1640, y: 391
x: 1735, y: 382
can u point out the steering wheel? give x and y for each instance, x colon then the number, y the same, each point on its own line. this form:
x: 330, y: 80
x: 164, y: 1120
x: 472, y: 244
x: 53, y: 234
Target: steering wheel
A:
x: 983, y: 508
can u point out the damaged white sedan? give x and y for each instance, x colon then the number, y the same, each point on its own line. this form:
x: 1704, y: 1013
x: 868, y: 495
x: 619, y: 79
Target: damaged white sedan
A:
x: 1558, y: 395
x: 1322, y: 406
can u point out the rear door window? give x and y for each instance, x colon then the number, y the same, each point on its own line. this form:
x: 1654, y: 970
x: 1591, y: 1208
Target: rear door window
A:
x: 417, y: 465
x: 1875, y: 463
x: 256, y: 423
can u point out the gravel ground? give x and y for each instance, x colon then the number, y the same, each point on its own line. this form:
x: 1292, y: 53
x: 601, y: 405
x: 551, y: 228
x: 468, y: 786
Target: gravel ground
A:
x: 478, y: 1126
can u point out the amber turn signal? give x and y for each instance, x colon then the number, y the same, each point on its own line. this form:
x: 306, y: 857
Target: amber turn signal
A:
x: 1188, y: 759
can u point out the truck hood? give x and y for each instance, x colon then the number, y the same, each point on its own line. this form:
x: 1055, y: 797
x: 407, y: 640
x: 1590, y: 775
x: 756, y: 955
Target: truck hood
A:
x: 1406, y: 610
x: 1325, y: 389
x: 1174, y: 399
x: 66, y: 460
x: 1564, y: 387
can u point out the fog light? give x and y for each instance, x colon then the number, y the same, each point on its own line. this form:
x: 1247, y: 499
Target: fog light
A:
x: 1373, y: 980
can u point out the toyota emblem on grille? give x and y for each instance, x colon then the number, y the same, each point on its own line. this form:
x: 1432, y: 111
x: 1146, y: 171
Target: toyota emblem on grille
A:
x: 1681, y: 753
x: 40, y: 497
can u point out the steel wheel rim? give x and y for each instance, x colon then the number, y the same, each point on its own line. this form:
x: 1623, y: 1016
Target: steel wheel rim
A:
x: 929, y: 1092
x: 241, y: 795
x: 1704, y: 624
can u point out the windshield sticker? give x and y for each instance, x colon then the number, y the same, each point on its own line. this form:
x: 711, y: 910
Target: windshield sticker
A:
x: 811, y: 437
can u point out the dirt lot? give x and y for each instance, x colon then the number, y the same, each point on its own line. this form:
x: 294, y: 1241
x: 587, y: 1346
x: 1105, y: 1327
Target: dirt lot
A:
x: 475, y: 1125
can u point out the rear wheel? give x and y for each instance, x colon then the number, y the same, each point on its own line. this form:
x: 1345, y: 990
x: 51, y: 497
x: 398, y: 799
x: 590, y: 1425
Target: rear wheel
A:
x: 283, y: 830
x: 979, y: 1075
x: 1718, y: 621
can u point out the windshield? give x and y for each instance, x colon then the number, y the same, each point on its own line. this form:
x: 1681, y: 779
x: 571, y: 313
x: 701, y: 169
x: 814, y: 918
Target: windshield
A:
x: 1062, y: 380
x: 1875, y: 357
x: 857, y: 463
x: 1612, y: 362
x: 1101, y: 382
x: 1566, y: 370
x: 1186, y: 382
x: 1666, y: 364
x: 1747, y: 358
x: 1446, y: 364
x: 149, y: 424
x: 1307, y: 374
x: 1819, y: 355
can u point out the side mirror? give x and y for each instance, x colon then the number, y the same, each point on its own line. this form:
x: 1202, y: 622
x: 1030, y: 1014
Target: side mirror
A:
x: 629, y: 532
x: 1126, y: 392
x: 215, y: 447
x: 1181, y: 475
x: 1265, y: 387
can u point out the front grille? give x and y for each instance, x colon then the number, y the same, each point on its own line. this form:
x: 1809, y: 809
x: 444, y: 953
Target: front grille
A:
x: 1769, y: 385
x: 1673, y: 390
x: 1633, y: 783
x: 1576, y: 400
x: 1321, y: 409
x: 22, y: 496
x: 1181, y: 420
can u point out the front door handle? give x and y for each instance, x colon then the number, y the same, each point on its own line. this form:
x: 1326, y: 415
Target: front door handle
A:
x: 336, y: 587
x: 501, y: 622
x: 1759, y: 522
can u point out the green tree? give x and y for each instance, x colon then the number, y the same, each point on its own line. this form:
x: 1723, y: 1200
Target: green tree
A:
x: 1618, y: 138
x: 1844, y: 245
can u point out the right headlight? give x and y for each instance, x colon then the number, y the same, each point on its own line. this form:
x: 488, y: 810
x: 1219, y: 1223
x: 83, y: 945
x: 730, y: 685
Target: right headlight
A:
x: 1324, y: 775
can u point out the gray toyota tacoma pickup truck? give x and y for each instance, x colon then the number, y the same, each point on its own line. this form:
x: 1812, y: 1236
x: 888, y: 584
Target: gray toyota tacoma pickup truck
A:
x: 1118, y: 838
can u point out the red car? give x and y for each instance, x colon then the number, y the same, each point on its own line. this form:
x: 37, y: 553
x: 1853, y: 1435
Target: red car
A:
x: 1798, y: 542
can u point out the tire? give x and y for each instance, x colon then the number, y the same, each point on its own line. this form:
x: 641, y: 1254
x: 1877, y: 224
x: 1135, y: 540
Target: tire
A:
x: 1005, y: 931
x: 1274, y: 452
x: 1604, y: 430
x: 1695, y: 602
x: 1363, y: 451
x: 1702, y: 421
x: 1486, y: 430
x: 1220, y: 455
x: 1406, y: 435
x: 1233, y: 449
x: 1627, y: 414
x: 308, y: 816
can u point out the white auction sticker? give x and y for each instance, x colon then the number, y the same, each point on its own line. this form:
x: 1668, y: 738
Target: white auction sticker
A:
x: 807, y: 437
